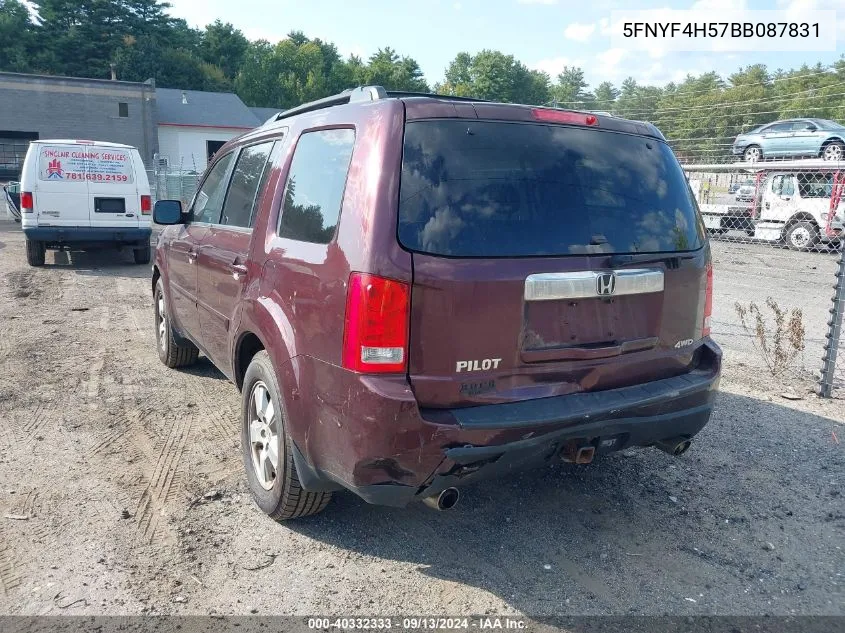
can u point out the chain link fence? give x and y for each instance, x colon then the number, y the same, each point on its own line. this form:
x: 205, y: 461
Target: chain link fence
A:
x: 776, y: 230
x: 169, y: 183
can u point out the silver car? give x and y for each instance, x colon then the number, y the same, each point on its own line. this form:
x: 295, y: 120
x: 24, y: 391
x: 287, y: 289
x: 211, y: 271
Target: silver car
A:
x: 793, y: 138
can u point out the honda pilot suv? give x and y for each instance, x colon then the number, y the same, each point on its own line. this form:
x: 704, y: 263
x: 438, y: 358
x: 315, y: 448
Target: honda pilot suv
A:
x: 413, y: 292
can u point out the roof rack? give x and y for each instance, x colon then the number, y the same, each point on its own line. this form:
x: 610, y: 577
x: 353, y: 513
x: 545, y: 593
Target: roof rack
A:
x: 361, y: 93
x: 397, y: 94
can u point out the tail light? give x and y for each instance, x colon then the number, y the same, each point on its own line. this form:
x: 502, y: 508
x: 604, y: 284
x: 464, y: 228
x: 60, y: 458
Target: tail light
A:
x: 27, y: 202
x: 708, y: 301
x: 375, y: 335
x: 146, y: 205
x: 562, y: 116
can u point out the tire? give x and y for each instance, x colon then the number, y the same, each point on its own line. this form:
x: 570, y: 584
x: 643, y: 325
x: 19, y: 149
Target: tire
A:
x: 170, y: 352
x: 752, y: 153
x: 142, y: 255
x: 802, y: 236
x: 834, y: 151
x: 275, y: 486
x: 35, y: 252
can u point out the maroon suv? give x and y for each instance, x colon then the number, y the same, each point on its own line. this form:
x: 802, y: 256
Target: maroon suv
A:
x: 415, y: 291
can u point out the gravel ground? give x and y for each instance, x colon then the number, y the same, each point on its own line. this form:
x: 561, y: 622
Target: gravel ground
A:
x: 121, y: 492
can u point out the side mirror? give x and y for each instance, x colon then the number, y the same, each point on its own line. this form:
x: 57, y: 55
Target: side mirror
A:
x: 168, y: 212
x: 810, y: 127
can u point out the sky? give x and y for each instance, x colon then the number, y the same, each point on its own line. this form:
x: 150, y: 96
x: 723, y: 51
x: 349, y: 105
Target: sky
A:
x: 543, y: 34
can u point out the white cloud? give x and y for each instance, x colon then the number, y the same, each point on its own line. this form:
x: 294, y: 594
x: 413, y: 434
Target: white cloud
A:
x: 554, y: 65
x: 579, y: 32
x: 609, y: 64
x: 537, y: 1
x: 798, y: 8
x: 717, y: 5
x: 616, y: 64
x: 458, y: 6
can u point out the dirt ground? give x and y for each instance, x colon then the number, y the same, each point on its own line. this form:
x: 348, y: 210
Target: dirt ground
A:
x: 121, y: 492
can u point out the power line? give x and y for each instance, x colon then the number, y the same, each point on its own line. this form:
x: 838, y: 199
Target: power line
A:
x: 681, y: 92
x: 717, y: 117
x: 792, y: 95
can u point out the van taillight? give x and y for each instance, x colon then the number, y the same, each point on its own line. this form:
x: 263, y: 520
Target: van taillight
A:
x: 708, y: 301
x: 375, y: 333
x: 27, y: 202
x: 146, y: 205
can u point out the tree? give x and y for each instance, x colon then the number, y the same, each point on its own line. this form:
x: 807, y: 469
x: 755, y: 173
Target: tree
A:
x: 495, y: 76
x: 80, y: 37
x: 605, y: 96
x: 223, y: 46
x: 386, y: 68
x: 570, y: 91
x: 17, y: 36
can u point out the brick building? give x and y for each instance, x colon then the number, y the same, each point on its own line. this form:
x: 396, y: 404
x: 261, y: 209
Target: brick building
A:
x: 38, y: 107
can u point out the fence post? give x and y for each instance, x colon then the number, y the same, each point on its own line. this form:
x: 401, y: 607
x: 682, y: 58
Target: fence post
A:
x: 831, y: 347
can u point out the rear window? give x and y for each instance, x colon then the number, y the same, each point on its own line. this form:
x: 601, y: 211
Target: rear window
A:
x: 494, y: 189
x: 85, y: 162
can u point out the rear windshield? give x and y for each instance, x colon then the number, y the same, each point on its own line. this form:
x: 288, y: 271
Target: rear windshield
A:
x: 494, y: 189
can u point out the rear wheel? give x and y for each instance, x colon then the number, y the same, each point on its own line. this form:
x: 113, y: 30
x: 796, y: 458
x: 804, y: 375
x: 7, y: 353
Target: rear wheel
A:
x: 834, y: 151
x: 35, y: 252
x: 170, y: 352
x: 802, y: 236
x: 753, y: 153
x: 142, y: 255
x: 267, y: 448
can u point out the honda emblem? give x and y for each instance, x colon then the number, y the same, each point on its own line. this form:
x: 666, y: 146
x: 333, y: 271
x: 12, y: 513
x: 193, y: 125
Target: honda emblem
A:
x: 605, y: 284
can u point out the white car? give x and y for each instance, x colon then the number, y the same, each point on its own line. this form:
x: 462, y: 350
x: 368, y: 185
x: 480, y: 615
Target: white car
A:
x: 84, y: 195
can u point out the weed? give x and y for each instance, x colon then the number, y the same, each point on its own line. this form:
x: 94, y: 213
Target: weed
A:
x: 779, y: 345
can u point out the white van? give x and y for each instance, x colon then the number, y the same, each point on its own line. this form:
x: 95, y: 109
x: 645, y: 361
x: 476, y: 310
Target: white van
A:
x: 84, y: 195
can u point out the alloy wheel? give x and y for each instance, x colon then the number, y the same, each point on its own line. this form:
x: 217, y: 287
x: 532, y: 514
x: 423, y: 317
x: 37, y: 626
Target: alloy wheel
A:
x: 834, y: 151
x: 263, y: 435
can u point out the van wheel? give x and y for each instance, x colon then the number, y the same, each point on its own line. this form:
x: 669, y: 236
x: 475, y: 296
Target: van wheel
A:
x: 267, y: 448
x: 142, y: 255
x: 35, y: 252
x: 802, y: 236
x: 170, y: 352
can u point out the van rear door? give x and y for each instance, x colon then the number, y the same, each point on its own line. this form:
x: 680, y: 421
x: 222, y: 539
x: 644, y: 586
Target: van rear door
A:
x: 61, y: 190
x: 547, y: 259
x: 113, y: 189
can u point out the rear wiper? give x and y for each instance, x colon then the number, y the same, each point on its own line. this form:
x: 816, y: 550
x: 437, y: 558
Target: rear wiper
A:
x: 649, y: 258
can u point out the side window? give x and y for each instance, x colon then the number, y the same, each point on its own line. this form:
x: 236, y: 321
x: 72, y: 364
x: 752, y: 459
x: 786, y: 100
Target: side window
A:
x: 815, y: 185
x: 788, y: 186
x: 209, y: 199
x: 315, y: 184
x: 247, y: 178
x: 777, y: 185
x: 777, y: 128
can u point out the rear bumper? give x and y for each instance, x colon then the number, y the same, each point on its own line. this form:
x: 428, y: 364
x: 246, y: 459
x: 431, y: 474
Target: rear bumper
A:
x: 71, y: 235
x: 402, y: 453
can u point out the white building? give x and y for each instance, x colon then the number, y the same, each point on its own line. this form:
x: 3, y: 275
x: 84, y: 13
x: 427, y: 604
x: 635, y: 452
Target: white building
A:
x: 193, y: 125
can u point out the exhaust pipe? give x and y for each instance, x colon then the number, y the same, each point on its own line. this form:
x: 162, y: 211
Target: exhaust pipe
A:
x: 675, y: 446
x: 575, y: 454
x: 446, y: 500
